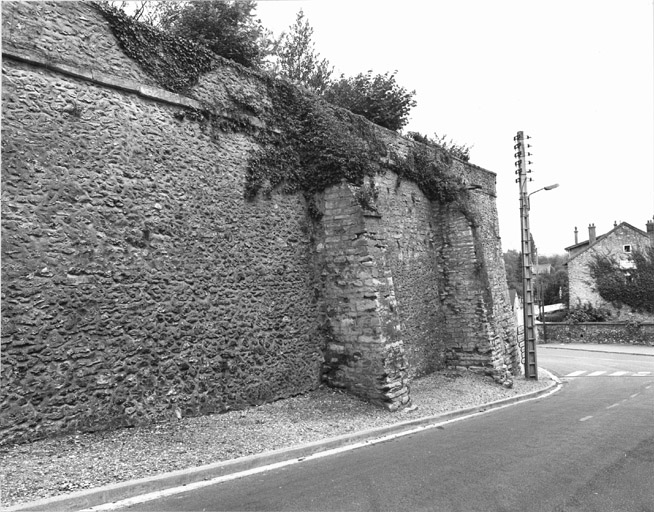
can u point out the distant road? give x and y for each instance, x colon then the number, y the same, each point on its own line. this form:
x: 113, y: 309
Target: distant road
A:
x: 589, y: 447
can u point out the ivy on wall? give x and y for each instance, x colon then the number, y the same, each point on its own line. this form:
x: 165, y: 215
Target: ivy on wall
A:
x: 312, y: 146
x: 174, y: 62
x: 632, y: 287
x: 319, y: 145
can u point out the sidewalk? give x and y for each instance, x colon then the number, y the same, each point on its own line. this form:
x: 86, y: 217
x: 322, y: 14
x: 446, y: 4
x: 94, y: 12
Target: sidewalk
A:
x: 641, y: 350
x: 460, y: 390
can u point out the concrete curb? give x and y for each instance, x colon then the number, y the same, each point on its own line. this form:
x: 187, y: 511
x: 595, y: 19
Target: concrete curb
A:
x: 116, y: 492
x: 630, y: 353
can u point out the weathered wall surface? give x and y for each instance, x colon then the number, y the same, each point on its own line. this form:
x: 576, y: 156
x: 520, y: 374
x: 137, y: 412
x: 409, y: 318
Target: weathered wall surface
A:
x: 597, y: 332
x: 138, y: 282
x: 582, y: 284
x: 136, y: 279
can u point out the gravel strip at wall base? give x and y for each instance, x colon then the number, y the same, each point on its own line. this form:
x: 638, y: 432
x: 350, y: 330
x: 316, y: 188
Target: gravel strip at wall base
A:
x: 53, y: 467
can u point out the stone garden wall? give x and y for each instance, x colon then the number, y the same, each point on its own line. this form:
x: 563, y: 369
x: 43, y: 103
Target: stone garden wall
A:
x: 597, y: 332
x: 139, y: 284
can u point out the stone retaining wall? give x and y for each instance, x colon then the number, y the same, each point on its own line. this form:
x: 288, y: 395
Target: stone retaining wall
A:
x: 138, y: 284
x: 597, y: 332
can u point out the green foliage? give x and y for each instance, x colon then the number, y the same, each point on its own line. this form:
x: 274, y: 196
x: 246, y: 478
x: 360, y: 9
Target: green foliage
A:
x: 297, y: 58
x: 632, y: 287
x: 513, y: 266
x: 175, y: 63
x: 553, y: 287
x: 429, y: 169
x: 314, y: 144
x: 226, y: 27
x: 378, y: 98
x: 587, y: 313
x: 317, y: 146
x: 367, y: 195
x: 461, y: 151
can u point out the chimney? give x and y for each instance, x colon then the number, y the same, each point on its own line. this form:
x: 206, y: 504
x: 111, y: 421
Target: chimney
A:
x: 650, y: 230
x: 576, y: 235
x: 591, y: 234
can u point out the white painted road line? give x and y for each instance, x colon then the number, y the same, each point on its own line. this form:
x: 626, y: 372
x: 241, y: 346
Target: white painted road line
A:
x: 620, y: 373
x: 585, y: 418
x: 612, y: 405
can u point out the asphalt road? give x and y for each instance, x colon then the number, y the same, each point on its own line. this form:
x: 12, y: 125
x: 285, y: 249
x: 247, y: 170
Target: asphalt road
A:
x: 589, y: 447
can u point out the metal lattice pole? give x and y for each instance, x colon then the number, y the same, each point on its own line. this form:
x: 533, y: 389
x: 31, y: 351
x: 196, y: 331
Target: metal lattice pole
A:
x: 531, y: 367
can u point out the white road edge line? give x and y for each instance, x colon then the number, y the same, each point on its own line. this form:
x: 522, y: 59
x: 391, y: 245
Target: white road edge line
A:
x: 197, y: 485
x: 585, y: 418
x: 612, y: 405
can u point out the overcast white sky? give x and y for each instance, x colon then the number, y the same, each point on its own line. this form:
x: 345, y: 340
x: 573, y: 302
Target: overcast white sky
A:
x: 575, y: 75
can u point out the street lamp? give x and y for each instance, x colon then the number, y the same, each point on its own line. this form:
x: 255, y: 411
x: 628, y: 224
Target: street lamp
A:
x: 548, y: 187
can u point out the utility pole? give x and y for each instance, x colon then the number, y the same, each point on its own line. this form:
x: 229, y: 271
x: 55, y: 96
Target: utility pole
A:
x: 531, y: 367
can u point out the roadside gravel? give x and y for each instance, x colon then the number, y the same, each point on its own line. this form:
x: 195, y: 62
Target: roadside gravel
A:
x: 53, y: 467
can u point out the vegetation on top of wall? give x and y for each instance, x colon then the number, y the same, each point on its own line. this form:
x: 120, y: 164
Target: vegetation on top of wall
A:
x: 318, y: 145
x: 632, y: 287
x: 313, y: 145
x: 378, y: 98
x: 174, y: 62
x: 430, y: 170
x: 461, y: 151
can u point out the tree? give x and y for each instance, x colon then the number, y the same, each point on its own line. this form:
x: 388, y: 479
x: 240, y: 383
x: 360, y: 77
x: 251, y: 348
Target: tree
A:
x: 297, y: 58
x: 378, y: 98
x: 631, y: 285
x: 513, y: 266
x: 227, y: 27
x: 553, y: 287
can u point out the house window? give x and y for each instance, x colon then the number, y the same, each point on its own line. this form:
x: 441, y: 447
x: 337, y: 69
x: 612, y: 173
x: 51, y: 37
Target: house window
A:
x: 627, y: 248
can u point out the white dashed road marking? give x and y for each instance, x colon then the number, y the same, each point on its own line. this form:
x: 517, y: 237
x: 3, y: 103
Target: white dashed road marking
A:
x: 580, y: 373
x: 585, y: 418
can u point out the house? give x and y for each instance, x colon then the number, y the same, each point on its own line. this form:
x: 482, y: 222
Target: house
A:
x: 539, y: 269
x: 618, y: 243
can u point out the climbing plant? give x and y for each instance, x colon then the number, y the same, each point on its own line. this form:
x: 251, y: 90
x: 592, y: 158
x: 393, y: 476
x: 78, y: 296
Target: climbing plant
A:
x: 632, y: 287
x: 174, y: 62
x: 309, y: 145
x: 319, y: 145
x: 461, y: 151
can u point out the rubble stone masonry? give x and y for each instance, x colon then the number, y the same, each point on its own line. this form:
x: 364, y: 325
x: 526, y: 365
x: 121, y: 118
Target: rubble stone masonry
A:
x: 139, y: 284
